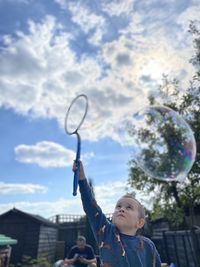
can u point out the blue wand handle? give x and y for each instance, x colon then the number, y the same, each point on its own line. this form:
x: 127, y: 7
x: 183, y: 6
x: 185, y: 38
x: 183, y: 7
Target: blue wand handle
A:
x: 77, y: 171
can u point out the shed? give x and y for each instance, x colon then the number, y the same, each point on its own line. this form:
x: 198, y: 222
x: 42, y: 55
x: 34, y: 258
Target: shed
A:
x: 36, y: 235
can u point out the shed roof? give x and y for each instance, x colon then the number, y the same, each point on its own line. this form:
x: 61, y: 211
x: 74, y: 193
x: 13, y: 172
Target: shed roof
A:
x: 6, y: 240
x: 36, y: 218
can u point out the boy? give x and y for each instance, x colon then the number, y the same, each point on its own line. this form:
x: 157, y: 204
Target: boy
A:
x: 119, y: 245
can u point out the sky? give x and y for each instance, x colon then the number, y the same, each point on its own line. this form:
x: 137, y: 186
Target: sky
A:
x: 115, y: 52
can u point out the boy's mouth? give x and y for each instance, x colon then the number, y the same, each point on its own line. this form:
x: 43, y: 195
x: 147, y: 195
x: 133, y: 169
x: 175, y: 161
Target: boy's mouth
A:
x: 120, y: 215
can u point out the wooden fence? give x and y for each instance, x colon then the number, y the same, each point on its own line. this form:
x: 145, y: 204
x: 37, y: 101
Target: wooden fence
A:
x: 180, y: 247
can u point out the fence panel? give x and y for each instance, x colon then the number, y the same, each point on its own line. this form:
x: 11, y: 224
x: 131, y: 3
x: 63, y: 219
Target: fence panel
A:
x: 180, y: 247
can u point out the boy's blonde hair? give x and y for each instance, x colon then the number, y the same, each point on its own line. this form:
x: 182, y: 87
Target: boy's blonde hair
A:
x: 140, y: 206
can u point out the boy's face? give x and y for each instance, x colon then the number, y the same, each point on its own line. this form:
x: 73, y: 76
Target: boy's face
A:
x: 126, y: 216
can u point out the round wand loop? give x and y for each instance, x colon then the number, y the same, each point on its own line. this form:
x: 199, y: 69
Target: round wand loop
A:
x: 74, y: 118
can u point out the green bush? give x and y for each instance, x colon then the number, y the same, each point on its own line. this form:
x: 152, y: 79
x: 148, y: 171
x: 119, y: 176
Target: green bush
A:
x: 27, y: 261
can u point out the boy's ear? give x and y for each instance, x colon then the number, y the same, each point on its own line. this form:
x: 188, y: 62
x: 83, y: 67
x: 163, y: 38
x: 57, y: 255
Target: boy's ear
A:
x: 140, y: 223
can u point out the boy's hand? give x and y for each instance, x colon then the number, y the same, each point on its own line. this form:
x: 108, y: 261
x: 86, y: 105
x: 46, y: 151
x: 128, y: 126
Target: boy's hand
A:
x: 81, y: 170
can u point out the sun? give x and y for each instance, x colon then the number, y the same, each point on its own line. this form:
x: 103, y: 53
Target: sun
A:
x: 154, y: 69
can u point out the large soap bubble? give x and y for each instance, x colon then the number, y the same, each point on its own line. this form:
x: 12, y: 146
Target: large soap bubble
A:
x: 162, y: 143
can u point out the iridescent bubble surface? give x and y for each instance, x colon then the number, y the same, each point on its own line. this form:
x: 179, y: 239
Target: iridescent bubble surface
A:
x: 162, y: 143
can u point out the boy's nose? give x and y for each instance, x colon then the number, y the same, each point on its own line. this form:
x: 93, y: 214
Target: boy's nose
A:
x: 121, y: 209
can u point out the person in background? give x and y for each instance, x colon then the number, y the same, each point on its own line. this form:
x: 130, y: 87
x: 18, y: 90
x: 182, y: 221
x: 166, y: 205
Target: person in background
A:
x: 80, y: 255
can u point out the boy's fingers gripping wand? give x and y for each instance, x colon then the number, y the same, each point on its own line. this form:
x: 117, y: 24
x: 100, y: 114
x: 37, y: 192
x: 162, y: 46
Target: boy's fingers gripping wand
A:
x: 74, y: 118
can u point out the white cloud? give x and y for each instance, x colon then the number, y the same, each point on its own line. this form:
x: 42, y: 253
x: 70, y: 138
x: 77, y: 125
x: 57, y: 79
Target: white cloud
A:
x: 89, y: 21
x: 87, y: 156
x: 83, y: 16
x: 41, y: 71
x: 62, y: 3
x: 14, y: 188
x: 71, y: 206
x: 106, y: 198
x: 45, y: 154
x: 191, y: 13
x: 45, y: 208
x: 28, y: 62
x: 118, y: 7
x: 41, y: 85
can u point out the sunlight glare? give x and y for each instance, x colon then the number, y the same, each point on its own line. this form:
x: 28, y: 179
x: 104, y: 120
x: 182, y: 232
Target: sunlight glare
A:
x: 154, y: 69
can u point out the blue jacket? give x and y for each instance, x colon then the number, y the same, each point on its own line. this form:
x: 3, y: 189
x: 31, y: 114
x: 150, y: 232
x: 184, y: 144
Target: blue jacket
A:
x: 116, y: 249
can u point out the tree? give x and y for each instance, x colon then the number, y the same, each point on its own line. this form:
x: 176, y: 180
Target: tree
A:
x: 173, y: 199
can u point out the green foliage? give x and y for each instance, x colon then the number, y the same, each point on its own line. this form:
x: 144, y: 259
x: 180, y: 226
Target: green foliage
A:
x: 172, y: 212
x: 171, y: 199
x: 27, y: 261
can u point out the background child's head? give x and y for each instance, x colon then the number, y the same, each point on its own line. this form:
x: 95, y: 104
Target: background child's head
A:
x: 129, y: 215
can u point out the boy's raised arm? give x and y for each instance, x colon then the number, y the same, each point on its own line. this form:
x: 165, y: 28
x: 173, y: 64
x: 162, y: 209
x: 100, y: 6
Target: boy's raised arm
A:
x: 96, y: 217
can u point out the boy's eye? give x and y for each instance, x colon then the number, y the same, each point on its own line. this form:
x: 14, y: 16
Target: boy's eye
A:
x: 129, y: 207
